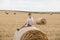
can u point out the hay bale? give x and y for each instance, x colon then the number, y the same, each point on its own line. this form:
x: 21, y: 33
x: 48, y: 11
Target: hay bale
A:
x: 29, y: 33
x: 14, y: 13
x: 7, y: 13
x: 41, y: 21
x: 51, y: 13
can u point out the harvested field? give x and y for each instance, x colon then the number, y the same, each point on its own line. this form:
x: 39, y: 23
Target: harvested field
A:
x: 11, y: 20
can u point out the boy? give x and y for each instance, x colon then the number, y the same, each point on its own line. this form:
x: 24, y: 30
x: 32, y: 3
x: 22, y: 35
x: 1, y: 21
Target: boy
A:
x: 29, y: 22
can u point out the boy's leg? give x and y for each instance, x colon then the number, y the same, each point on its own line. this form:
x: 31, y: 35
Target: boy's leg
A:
x: 20, y: 28
x: 24, y: 26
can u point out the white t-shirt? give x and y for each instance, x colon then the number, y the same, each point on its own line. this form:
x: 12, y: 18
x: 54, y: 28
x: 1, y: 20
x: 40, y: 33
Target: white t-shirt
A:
x: 30, y: 20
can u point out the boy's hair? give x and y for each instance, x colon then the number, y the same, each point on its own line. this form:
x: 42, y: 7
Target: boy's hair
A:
x: 29, y: 13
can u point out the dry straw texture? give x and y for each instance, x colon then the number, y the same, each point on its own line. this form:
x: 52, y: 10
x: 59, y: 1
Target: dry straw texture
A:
x: 34, y: 35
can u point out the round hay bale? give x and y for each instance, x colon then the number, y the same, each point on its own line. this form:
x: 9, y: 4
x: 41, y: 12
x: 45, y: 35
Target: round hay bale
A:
x: 29, y: 33
x: 14, y: 13
x: 51, y: 13
x: 41, y: 21
x: 7, y: 13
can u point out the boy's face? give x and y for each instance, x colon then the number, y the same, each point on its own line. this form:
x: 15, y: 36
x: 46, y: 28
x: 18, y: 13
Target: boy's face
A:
x: 29, y: 16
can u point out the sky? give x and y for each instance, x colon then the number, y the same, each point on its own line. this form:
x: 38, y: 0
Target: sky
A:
x: 30, y: 5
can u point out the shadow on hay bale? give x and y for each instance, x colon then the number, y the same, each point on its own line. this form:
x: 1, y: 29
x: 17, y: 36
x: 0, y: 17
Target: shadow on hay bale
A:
x: 41, y: 21
x: 30, y: 33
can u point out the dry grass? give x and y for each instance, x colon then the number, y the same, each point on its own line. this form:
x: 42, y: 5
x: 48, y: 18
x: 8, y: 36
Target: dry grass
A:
x: 10, y: 22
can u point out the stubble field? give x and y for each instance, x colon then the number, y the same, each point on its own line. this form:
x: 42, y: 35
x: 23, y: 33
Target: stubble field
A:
x: 10, y: 21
